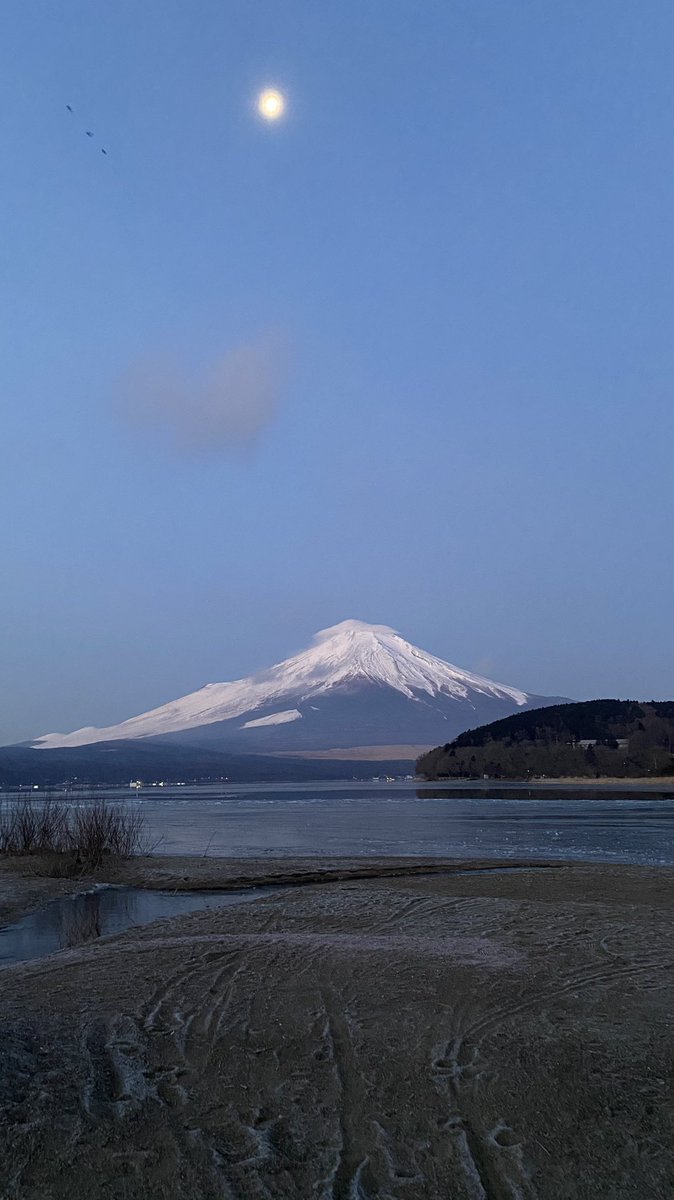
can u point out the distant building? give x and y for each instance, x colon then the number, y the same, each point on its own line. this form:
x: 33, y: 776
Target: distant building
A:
x: 586, y: 743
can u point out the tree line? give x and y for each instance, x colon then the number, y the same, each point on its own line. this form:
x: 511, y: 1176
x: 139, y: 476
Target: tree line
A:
x: 591, y: 739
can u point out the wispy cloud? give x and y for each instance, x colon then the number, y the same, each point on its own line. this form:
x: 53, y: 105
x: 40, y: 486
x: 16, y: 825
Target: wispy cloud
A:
x: 485, y: 665
x: 223, y: 407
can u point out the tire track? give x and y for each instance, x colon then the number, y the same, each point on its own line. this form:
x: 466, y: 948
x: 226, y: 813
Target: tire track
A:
x: 573, y: 983
x: 493, y: 1161
x: 350, y: 1176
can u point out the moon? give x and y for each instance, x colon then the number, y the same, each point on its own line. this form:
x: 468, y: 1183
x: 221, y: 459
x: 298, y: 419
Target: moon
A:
x: 271, y: 104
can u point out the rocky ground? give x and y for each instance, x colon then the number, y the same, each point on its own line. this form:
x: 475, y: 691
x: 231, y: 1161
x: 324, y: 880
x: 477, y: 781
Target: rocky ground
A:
x: 496, y: 1036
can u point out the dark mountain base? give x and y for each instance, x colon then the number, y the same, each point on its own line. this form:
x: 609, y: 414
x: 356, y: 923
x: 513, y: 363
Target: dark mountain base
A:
x: 362, y: 715
x: 116, y: 763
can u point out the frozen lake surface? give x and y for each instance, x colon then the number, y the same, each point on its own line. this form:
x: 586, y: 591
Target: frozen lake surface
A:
x: 599, y: 824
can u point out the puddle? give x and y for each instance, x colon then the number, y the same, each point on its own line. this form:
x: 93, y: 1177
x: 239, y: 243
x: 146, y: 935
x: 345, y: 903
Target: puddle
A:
x: 76, y: 920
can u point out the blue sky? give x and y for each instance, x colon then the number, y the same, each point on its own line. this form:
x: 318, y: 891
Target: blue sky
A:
x: 449, y: 269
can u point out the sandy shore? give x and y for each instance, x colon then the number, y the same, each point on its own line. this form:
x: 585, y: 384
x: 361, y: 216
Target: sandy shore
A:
x: 467, y: 1036
x: 646, y: 783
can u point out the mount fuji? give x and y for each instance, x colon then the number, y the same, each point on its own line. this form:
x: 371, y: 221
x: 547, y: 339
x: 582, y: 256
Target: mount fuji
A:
x: 357, y: 686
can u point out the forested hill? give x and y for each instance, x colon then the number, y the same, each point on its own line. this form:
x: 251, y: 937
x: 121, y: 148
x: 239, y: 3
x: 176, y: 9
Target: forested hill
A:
x: 622, y: 738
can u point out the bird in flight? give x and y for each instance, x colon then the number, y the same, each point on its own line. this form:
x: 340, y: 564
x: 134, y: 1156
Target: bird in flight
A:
x: 89, y: 132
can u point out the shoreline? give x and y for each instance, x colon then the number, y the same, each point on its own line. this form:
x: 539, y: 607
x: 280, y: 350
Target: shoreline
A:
x: 28, y: 883
x: 653, y: 783
x: 631, y: 784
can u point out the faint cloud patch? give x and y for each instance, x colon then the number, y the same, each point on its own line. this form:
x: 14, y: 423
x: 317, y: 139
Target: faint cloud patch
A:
x: 225, y: 406
x: 485, y: 666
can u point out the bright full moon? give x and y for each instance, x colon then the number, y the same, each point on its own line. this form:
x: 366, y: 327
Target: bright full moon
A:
x: 270, y: 104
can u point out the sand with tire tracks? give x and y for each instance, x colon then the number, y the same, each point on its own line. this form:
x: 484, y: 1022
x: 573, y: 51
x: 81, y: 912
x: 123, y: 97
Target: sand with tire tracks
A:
x: 471, y: 1037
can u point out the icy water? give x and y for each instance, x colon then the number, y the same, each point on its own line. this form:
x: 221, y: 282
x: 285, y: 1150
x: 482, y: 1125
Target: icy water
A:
x: 76, y: 920
x: 600, y: 824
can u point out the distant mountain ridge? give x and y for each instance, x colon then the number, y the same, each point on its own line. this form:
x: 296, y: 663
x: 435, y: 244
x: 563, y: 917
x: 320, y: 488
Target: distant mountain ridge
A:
x: 357, y: 685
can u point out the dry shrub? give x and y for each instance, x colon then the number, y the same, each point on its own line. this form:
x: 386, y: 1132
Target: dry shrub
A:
x: 30, y: 828
x: 88, y: 833
x: 101, y: 828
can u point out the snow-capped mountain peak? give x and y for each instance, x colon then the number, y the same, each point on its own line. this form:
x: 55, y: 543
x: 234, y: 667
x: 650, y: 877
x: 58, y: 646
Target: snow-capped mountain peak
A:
x: 354, y: 650
x: 341, y: 660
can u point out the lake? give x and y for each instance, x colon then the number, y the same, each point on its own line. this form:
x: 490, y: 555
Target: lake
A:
x: 457, y: 820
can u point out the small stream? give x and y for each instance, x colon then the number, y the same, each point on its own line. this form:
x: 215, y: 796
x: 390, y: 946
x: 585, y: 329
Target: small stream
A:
x: 76, y: 920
